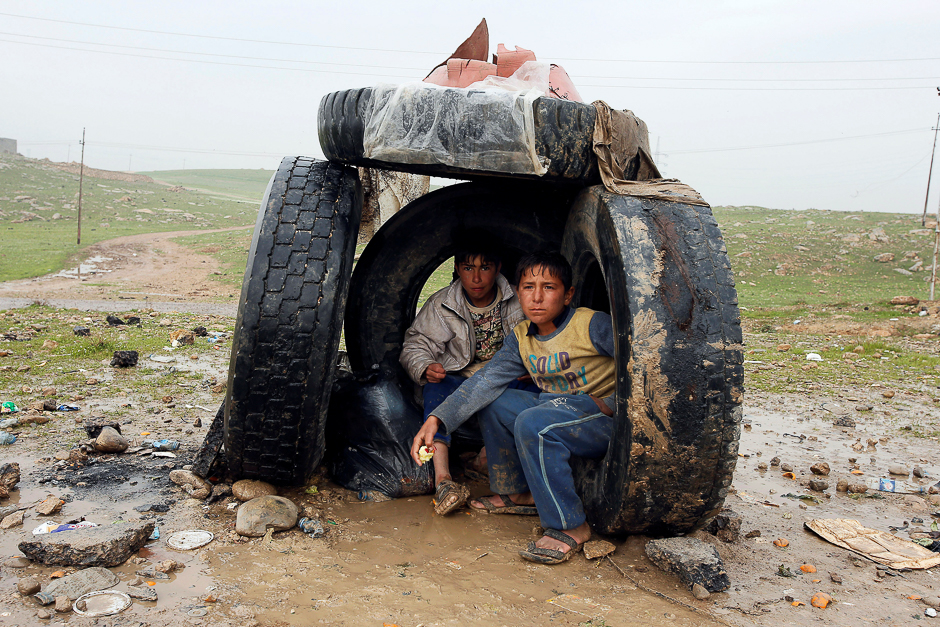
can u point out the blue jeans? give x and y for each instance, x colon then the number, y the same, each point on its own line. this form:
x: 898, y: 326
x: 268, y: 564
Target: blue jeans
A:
x: 530, y: 438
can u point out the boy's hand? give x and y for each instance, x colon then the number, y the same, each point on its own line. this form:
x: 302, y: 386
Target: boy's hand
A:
x: 425, y: 437
x: 435, y: 373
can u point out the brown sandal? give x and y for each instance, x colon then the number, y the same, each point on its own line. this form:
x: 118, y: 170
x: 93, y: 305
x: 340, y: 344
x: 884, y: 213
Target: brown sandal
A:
x: 450, y: 496
x: 508, y: 507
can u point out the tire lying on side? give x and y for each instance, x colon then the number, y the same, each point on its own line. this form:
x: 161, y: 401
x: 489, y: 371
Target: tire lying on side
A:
x: 663, y: 271
x: 289, y: 321
x: 564, y: 135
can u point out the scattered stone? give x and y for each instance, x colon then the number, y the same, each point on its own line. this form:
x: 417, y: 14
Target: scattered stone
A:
x: 783, y: 347
x: 857, y: 488
x: 898, y: 470
x: 81, y: 331
x: 150, y: 573
x: 142, y: 594
x: 884, y: 257
x: 218, y: 388
x: 820, y: 468
x: 598, y: 548
x: 775, y: 461
x: 694, y: 561
x: 194, y: 485
x: 124, y: 359
x: 50, y: 506
x: 63, y: 605
x: 818, y: 485
x: 918, y: 472
x: 95, y: 424
x: 197, y: 422
x: 82, y: 582
x: 931, y: 601
x: 16, y: 562
x: 200, y: 332
x: 43, y: 405
x: 153, y: 507
x: 114, y: 321
x: 182, y: 337
x: 12, y: 520
x: 9, y: 477
x: 107, y: 545
x: 904, y: 300
x: 762, y: 466
x: 786, y: 467
x: 258, y: 515
x: 131, y: 320
x: 842, y: 486
x: 43, y: 614
x: 50, y: 391
x: 844, y: 421
x: 699, y: 592
x: 110, y: 441
x: 248, y: 489
x: 168, y: 566
x: 726, y: 525
x: 835, y: 578
x: 28, y: 585
x: 888, y: 393
x: 754, y: 533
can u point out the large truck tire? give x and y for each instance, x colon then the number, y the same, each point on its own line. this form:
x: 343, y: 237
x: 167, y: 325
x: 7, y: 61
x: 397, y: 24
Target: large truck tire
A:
x: 564, y: 135
x: 662, y: 270
x: 410, y: 246
x: 289, y: 321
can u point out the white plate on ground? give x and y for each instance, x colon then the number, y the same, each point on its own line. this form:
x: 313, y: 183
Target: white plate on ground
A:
x: 101, y: 603
x: 190, y: 539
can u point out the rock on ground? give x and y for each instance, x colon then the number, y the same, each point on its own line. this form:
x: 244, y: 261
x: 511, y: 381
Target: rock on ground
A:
x: 124, y: 359
x: 726, y: 525
x: 28, y: 585
x: 9, y: 477
x: 62, y: 604
x: 248, y: 489
x: 12, y: 520
x: 694, y: 561
x: 598, y: 548
x: 195, y: 486
x: 82, y: 582
x: 142, y: 594
x: 50, y: 506
x: 107, y: 545
x: 110, y: 441
x: 95, y: 424
x: 258, y: 515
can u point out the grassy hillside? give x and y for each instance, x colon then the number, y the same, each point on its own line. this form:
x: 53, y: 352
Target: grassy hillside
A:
x: 816, y: 257
x: 243, y: 184
x: 39, y: 213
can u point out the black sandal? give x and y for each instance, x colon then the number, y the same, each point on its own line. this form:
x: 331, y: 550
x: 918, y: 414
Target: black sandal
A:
x: 508, y: 507
x: 552, y: 556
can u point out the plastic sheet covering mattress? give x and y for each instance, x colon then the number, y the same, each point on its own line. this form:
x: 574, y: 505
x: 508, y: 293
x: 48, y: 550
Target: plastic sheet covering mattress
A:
x: 490, y: 129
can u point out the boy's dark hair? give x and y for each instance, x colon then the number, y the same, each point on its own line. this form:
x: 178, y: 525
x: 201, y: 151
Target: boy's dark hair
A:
x: 554, y: 262
x: 474, y: 243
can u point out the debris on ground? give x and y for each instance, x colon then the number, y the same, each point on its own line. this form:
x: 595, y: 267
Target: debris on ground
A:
x: 265, y: 512
x: 694, y: 561
x: 105, y: 545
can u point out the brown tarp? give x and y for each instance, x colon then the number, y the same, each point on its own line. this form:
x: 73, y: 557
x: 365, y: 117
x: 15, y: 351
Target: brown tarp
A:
x: 619, y: 138
x: 877, y: 546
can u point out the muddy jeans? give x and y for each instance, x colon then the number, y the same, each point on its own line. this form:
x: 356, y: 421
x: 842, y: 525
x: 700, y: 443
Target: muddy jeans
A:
x: 530, y: 438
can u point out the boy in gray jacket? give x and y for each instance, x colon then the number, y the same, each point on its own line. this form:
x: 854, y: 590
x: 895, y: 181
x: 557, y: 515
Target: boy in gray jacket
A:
x: 456, y: 332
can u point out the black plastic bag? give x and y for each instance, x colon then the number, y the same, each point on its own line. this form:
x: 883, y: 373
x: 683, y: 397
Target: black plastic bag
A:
x: 370, y: 429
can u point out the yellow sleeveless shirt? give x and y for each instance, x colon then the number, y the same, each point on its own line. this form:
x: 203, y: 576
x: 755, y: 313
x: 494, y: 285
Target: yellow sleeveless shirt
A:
x: 568, y: 363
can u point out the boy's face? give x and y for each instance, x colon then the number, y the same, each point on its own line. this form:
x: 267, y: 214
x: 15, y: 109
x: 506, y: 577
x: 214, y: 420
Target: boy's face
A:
x: 478, y: 279
x: 543, y: 297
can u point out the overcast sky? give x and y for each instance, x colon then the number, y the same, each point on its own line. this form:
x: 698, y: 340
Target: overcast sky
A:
x: 788, y: 104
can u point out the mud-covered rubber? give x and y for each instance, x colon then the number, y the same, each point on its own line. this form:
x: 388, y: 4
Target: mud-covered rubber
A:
x: 564, y: 134
x: 289, y: 322
x: 662, y: 269
x: 209, y: 460
x: 412, y: 244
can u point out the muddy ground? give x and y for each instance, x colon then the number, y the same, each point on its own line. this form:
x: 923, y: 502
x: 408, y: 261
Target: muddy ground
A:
x: 398, y: 563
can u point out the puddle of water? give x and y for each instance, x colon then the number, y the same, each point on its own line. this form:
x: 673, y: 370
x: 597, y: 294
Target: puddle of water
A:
x: 92, y: 265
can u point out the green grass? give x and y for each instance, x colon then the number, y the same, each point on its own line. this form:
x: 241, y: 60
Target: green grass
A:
x: 244, y: 184
x: 229, y: 248
x: 38, y: 234
x: 834, y: 269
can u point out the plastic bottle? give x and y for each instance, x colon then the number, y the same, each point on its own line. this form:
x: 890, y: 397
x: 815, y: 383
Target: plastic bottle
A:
x: 311, y: 527
x: 165, y: 445
x: 7, y: 438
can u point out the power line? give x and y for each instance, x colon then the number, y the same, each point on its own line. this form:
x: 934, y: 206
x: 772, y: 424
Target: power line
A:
x: 149, y: 56
x: 426, y: 52
x: 210, y: 54
x: 255, y: 41
x: 803, y: 143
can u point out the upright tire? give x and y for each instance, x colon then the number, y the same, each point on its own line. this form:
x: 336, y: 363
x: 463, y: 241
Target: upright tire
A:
x: 412, y: 244
x: 289, y: 321
x: 663, y: 271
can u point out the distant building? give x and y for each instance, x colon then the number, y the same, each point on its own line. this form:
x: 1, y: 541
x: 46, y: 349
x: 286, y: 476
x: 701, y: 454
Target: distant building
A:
x: 7, y: 145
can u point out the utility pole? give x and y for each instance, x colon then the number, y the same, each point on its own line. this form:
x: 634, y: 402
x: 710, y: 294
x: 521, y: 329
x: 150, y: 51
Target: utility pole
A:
x: 936, y: 248
x: 923, y: 217
x: 81, y: 178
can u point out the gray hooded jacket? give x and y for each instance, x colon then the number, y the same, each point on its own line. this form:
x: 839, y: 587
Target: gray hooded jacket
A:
x: 443, y: 330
